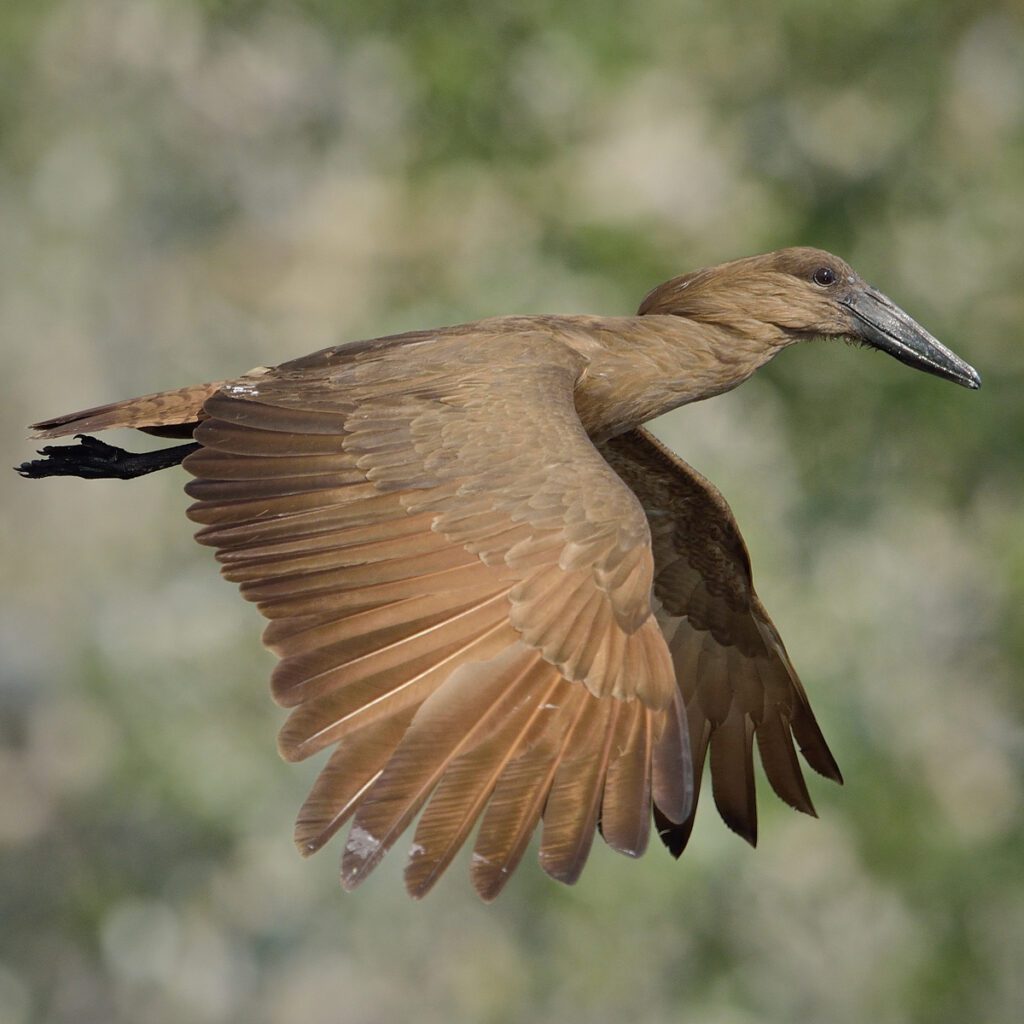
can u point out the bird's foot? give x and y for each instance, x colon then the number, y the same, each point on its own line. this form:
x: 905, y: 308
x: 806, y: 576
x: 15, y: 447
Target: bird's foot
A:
x: 93, y: 459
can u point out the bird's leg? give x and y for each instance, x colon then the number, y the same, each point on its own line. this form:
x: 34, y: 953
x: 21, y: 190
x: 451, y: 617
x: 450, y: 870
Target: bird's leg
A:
x: 93, y: 459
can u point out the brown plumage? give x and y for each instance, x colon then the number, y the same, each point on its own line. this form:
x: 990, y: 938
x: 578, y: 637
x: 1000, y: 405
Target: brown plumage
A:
x: 499, y: 599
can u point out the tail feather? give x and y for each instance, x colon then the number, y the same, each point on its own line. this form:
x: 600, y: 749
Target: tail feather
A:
x: 157, y: 413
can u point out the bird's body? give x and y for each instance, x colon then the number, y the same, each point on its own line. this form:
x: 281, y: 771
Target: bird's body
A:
x: 494, y: 594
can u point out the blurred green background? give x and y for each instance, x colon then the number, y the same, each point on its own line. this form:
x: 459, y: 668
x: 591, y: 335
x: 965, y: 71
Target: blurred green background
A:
x: 189, y: 189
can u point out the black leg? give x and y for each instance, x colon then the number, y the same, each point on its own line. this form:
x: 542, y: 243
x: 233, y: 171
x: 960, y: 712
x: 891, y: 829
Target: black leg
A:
x: 92, y: 459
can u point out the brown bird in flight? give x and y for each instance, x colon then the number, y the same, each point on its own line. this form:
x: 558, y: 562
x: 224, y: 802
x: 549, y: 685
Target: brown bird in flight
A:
x: 494, y: 595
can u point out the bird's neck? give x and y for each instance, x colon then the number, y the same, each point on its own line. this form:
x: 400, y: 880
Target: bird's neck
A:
x: 642, y: 367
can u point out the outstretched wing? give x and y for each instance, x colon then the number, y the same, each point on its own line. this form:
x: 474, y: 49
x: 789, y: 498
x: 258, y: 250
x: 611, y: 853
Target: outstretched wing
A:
x: 459, y: 588
x: 736, y: 679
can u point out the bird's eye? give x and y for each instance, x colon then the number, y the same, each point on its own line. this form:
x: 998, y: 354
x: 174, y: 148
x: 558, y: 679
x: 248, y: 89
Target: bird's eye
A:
x: 824, y: 276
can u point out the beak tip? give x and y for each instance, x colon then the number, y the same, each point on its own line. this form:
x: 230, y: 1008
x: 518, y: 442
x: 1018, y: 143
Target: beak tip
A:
x: 972, y: 379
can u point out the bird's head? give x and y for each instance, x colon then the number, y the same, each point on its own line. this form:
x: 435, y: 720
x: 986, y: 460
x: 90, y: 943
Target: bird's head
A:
x: 795, y: 294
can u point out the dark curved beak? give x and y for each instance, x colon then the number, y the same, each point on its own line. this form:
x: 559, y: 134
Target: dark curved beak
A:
x: 878, y: 321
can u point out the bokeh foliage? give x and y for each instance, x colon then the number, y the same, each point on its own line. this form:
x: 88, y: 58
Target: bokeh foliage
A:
x: 192, y: 187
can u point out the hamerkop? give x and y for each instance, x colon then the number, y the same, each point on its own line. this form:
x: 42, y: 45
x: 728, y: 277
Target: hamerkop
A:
x: 495, y: 596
